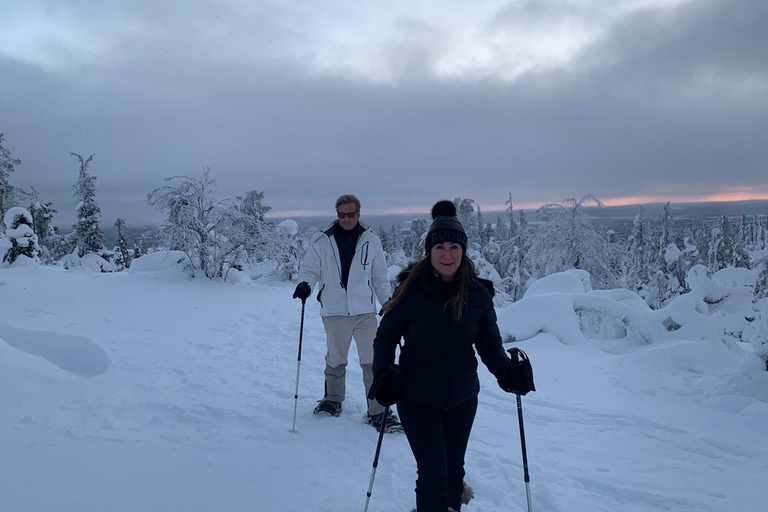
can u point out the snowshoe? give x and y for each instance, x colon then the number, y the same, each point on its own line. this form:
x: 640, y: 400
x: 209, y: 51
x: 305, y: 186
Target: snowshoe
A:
x: 328, y: 407
x: 392, y: 425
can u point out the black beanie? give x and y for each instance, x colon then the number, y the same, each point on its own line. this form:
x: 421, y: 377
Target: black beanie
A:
x: 445, y: 227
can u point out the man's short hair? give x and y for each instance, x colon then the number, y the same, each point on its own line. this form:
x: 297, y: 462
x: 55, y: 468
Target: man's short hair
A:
x: 348, y: 199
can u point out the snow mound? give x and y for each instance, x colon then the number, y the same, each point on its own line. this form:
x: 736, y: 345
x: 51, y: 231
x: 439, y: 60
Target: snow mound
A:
x: 14, y: 212
x: 24, y: 261
x: 583, y: 276
x: 756, y: 415
x: 84, y: 271
x: 97, y: 263
x: 73, y: 354
x: 698, y: 280
x: 159, y: 261
x: 575, y: 319
x: 734, y: 278
x: 289, y: 226
x: 560, y: 282
x: 672, y: 253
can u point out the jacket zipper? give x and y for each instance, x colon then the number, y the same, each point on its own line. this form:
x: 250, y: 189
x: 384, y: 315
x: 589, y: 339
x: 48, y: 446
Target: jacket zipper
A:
x: 338, y: 265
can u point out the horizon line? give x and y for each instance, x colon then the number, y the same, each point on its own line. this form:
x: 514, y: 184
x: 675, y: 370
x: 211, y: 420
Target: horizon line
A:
x: 725, y: 197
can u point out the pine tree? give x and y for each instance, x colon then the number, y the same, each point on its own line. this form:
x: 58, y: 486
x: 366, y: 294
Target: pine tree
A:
x: 481, y: 232
x: 665, y: 238
x: 139, y: 247
x: 488, y: 232
x: 392, y: 242
x: 761, y: 287
x: 522, y: 234
x: 414, y: 243
x: 9, y: 194
x: 722, y: 245
x: 88, y: 234
x: 754, y: 229
x: 248, y: 227
x: 465, y: 212
x: 21, y: 238
x: 501, y: 232
x: 764, y: 233
x: 637, y: 273
x: 511, y: 214
x: 122, y: 253
x: 42, y: 224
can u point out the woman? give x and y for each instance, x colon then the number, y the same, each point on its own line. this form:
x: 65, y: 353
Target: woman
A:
x: 441, y: 309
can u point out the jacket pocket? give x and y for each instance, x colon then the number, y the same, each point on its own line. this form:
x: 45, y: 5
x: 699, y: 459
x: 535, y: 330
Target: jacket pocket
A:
x: 320, y: 295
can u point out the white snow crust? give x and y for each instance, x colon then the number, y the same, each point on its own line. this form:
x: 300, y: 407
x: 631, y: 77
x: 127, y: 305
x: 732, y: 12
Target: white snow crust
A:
x: 150, y: 391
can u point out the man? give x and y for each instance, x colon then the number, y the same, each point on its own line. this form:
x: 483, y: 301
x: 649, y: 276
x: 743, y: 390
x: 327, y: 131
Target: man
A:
x: 347, y: 263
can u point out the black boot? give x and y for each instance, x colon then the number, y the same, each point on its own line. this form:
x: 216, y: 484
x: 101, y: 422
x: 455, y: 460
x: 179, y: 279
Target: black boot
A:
x: 328, y: 407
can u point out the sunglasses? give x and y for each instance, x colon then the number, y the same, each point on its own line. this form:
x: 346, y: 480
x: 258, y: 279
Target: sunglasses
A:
x: 350, y: 215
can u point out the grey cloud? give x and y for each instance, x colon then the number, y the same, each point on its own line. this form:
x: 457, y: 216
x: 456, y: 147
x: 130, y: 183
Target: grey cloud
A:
x: 668, y: 49
x: 630, y: 126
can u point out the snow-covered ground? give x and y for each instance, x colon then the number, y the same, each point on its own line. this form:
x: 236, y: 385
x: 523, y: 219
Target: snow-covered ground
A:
x: 148, y: 391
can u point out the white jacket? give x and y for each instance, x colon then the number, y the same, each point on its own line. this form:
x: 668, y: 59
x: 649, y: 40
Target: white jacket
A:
x: 367, y: 275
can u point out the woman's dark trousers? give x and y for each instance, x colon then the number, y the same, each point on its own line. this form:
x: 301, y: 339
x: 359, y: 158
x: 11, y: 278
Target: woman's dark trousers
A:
x: 438, y: 439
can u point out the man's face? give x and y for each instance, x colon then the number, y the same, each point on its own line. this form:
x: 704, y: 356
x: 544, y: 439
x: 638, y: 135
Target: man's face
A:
x: 343, y: 212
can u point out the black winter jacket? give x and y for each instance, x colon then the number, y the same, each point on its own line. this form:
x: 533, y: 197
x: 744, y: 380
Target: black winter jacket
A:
x: 437, y: 358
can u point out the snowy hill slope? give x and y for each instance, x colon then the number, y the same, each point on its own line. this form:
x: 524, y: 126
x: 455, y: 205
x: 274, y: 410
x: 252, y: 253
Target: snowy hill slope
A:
x: 150, y: 392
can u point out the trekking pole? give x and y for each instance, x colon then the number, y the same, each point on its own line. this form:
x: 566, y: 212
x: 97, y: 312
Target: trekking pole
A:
x: 376, y: 457
x: 525, y: 452
x: 298, y: 367
x: 521, y: 358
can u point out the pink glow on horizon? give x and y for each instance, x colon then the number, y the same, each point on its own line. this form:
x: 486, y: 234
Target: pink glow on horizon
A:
x: 727, y: 195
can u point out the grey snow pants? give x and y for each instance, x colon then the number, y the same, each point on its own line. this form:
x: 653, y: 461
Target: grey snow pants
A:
x: 339, y: 331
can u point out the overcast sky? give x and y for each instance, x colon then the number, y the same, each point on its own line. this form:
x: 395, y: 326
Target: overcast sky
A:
x: 399, y: 102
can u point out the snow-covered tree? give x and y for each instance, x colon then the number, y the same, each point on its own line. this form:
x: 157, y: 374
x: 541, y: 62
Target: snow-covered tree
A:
x: 637, y: 266
x: 761, y: 286
x: 566, y: 239
x: 252, y: 205
x: 482, y: 234
x: 209, y: 231
x: 465, y: 213
x: 511, y: 215
x: 523, y: 232
x: 139, y: 247
x: 245, y: 226
x: 121, y: 251
x: 87, y: 231
x: 289, y: 248
x: 488, y: 232
x: 20, y: 238
x: 658, y: 290
x: 9, y: 195
x: 665, y: 237
x: 759, y: 340
x: 413, y: 245
x: 63, y: 246
x: 42, y: 224
x: 501, y: 232
x: 392, y: 242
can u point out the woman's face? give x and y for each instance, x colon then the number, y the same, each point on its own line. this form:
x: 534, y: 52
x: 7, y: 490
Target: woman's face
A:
x: 445, y: 259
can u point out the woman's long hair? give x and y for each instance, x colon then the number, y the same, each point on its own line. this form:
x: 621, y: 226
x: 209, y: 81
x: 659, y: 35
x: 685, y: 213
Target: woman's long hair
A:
x: 464, y: 275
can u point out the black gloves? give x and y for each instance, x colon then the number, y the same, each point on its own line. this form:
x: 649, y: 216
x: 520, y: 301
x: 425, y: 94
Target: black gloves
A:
x: 303, y: 290
x: 517, y: 376
x: 388, y: 386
